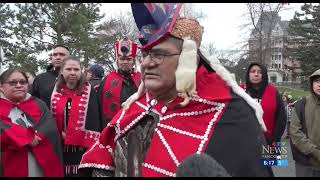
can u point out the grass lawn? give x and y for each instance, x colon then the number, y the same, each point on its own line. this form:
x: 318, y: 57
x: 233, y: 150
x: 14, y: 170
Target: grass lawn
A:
x: 295, y: 93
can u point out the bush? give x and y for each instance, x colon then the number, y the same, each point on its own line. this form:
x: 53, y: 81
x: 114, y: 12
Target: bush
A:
x: 294, y: 92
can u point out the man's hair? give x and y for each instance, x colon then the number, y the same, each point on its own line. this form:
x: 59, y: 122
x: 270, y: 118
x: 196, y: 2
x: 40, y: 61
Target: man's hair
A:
x: 6, y: 74
x: 62, y: 81
x: 60, y: 45
x: 31, y: 73
x: 177, y: 42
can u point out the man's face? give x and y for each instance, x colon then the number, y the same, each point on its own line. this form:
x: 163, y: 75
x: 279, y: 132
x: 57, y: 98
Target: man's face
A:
x: 316, y: 86
x: 71, y: 72
x: 255, y: 74
x: 158, y: 67
x: 58, y: 54
x: 125, y: 63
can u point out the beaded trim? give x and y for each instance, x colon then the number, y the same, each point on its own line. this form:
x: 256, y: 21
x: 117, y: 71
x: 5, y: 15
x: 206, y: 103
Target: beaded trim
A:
x: 109, y: 149
x: 98, y: 166
x: 180, y: 131
x: 216, y: 109
x: 189, y: 113
x: 117, y: 128
x: 101, y: 146
x: 157, y: 169
x: 164, y: 142
x: 82, y: 117
x: 129, y: 126
x: 141, y: 105
x: 215, y: 118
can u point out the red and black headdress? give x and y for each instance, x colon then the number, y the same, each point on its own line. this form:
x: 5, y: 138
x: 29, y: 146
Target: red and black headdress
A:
x: 125, y: 47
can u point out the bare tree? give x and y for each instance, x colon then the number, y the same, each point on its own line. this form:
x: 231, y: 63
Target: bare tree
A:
x: 208, y: 48
x: 263, y: 17
x: 118, y: 26
x: 188, y: 9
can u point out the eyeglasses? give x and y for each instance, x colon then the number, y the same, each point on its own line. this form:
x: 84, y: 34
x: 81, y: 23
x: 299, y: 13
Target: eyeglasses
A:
x: 157, y: 57
x: 14, y: 83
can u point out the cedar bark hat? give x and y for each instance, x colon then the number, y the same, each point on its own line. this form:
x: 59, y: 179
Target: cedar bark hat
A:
x: 125, y: 47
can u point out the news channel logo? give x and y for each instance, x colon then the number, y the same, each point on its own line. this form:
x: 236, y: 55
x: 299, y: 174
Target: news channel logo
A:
x: 275, y: 154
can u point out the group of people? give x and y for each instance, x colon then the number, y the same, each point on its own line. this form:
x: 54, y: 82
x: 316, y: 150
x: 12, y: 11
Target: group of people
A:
x: 148, y: 123
x: 301, y: 116
x: 48, y: 126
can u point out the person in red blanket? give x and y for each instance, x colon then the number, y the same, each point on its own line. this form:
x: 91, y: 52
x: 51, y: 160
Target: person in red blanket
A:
x: 74, y: 106
x: 30, y: 142
x: 185, y: 105
x: 121, y: 83
x: 274, y: 113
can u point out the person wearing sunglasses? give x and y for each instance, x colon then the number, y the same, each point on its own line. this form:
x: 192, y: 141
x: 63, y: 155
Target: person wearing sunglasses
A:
x: 30, y: 142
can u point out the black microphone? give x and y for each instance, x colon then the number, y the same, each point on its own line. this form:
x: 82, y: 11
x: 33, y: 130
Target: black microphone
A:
x: 201, y: 165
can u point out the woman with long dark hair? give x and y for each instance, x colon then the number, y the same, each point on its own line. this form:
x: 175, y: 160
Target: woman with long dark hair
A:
x: 75, y: 109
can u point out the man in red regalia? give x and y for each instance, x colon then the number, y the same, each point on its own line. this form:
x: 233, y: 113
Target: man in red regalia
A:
x: 185, y: 105
x: 120, y: 83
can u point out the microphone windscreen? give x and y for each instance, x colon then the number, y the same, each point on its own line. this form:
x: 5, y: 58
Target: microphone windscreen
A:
x: 201, y: 165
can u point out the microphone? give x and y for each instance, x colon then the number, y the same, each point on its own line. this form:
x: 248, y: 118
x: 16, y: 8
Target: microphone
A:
x: 201, y: 165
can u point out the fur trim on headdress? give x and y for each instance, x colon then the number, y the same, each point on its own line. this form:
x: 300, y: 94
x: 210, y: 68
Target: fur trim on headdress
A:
x: 186, y: 70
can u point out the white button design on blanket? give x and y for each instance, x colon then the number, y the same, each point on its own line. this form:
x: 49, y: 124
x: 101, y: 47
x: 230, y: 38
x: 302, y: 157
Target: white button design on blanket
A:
x: 164, y: 109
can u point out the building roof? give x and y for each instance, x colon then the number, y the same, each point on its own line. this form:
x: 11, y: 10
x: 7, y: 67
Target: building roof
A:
x: 284, y: 26
x: 270, y: 18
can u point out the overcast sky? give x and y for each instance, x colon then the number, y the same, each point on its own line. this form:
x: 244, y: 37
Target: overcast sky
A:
x: 222, y: 24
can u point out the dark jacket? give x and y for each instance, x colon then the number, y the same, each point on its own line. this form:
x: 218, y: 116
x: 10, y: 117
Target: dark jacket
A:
x: 95, y: 82
x: 43, y: 85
